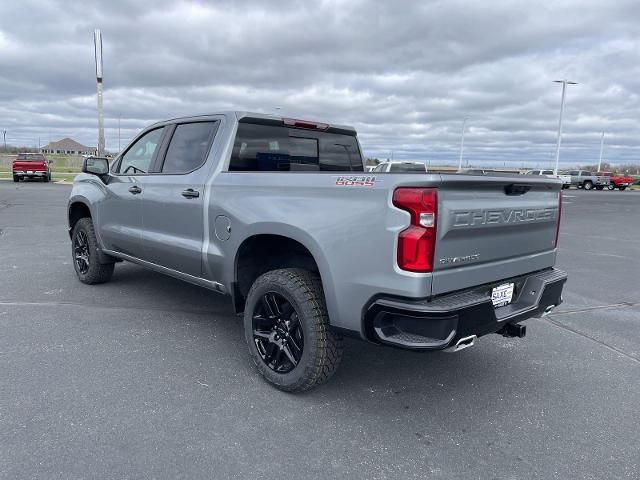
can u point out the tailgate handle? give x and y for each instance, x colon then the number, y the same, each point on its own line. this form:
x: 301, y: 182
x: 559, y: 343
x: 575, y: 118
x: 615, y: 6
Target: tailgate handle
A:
x: 517, y: 189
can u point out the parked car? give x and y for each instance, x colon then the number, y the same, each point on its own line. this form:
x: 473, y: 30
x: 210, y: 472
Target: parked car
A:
x: 280, y: 215
x: 485, y: 171
x: 31, y: 165
x: 405, y: 167
x: 588, y: 180
x: 566, y: 179
x: 617, y: 181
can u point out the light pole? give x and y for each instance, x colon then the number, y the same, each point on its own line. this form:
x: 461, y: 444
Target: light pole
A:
x: 97, y: 40
x: 564, y: 88
x: 601, y: 146
x: 4, y: 137
x: 464, y: 123
x: 119, y: 134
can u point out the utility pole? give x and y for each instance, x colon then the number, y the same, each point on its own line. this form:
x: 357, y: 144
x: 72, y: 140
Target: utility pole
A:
x: 4, y: 136
x: 97, y: 41
x: 464, y: 123
x: 564, y: 88
x: 601, y: 146
x: 119, y: 133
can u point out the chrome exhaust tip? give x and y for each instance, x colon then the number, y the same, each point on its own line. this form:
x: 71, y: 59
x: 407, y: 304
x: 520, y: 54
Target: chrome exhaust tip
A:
x: 463, y: 343
x: 548, y: 310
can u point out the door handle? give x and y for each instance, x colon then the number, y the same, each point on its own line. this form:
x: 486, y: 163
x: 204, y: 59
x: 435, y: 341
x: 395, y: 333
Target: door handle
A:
x: 135, y: 190
x: 190, y: 193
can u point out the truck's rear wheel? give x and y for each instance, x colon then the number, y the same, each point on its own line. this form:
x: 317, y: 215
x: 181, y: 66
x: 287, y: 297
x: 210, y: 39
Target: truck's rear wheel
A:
x: 588, y: 185
x: 287, y: 330
x: 622, y: 189
x: 84, y: 251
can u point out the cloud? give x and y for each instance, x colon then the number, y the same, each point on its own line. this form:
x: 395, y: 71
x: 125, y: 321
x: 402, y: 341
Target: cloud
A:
x: 403, y: 73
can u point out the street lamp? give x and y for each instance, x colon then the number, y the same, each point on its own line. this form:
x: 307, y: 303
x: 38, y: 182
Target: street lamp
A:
x: 564, y: 88
x: 464, y: 123
x: 601, y: 146
x: 97, y: 43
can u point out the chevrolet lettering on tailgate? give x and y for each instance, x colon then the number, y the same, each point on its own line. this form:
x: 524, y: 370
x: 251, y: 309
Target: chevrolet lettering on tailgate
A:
x: 468, y: 218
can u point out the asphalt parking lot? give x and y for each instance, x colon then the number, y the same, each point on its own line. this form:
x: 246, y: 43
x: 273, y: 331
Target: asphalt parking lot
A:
x: 148, y: 377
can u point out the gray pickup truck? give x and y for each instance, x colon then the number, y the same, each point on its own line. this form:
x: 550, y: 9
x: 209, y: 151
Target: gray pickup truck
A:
x: 588, y: 180
x: 280, y: 215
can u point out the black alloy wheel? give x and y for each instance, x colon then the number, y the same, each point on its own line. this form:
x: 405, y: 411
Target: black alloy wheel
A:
x: 277, y: 333
x: 81, y: 252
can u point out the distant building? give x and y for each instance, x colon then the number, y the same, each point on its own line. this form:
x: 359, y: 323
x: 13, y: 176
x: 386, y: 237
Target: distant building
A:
x: 69, y: 147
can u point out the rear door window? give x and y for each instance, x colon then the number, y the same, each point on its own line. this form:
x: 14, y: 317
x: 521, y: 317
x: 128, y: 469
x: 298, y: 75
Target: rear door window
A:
x: 274, y: 148
x: 189, y: 147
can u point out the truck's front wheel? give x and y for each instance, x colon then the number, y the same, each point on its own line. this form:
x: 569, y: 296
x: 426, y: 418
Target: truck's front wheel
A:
x: 84, y: 251
x: 287, y: 330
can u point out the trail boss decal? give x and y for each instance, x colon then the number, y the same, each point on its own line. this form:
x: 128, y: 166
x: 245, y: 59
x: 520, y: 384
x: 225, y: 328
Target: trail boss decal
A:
x: 356, y: 181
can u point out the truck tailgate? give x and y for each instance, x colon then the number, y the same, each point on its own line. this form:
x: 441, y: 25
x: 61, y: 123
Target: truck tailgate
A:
x: 490, y: 229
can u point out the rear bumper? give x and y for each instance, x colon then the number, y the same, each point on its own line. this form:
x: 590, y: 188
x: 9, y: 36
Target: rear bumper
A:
x: 442, y: 321
x: 35, y: 173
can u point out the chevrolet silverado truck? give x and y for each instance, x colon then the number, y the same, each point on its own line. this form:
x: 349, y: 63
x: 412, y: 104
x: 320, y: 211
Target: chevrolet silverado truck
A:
x: 31, y: 165
x: 617, y: 181
x: 588, y: 180
x: 279, y: 214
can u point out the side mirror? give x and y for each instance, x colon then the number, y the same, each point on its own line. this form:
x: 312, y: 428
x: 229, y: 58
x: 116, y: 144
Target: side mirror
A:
x: 95, y: 166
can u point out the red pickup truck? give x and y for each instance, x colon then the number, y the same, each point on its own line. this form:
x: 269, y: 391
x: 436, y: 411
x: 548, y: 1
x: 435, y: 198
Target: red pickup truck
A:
x: 31, y: 165
x: 617, y: 181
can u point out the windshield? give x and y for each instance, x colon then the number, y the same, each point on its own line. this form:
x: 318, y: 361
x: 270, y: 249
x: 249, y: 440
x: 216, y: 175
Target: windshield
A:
x: 31, y: 157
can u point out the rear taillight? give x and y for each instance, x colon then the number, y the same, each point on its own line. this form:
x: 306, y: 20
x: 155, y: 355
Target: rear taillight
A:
x: 416, y: 243
x: 559, y: 216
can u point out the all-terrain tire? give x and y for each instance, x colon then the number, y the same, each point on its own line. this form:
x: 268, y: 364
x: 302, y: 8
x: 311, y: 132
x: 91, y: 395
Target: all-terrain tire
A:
x: 95, y: 272
x: 322, y: 350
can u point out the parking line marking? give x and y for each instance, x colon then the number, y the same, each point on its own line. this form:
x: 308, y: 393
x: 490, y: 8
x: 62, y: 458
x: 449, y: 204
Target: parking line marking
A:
x: 584, y: 335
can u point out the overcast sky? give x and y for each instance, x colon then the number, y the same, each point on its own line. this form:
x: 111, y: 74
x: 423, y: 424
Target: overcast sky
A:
x: 404, y: 73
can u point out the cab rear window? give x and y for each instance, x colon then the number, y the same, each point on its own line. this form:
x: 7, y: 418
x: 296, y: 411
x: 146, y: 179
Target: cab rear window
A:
x: 273, y: 148
x: 30, y: 157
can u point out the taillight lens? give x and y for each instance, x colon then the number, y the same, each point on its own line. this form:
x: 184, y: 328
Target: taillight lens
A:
x: 559, y: 216
x: 416, y: 243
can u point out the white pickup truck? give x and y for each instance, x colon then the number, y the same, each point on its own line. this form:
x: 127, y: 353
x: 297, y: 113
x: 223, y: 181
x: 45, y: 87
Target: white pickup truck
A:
x: 566, y: 179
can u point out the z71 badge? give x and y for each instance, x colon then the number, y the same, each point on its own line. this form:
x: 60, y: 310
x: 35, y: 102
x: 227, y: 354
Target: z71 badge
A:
x: 356, y: 181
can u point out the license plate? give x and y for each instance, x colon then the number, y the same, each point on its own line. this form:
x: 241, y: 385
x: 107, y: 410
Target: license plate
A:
x: 502, y: 294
